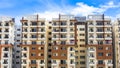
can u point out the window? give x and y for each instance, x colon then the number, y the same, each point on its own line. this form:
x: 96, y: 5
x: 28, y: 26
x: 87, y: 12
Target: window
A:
x: 100, y: 54
x: 6, y: 24
x: 42, y: 23
x: 6, y: 55
x: 42, y: 35
x: 17, y: 62
x: 33, y: 23
x: 100, y: 61
x: 91, y: 42
x: 33, y: 36
x: 6, y: 49
x: 82, y: 29
x: 41, y: 61
x: 91, y: 55
x: 90, y: 23
x: 42, y: 67
x: 82, y: 40
x: 63, y: 23
x: 17, y: 56
x: 82, y: 34
x: 33, y: 30
x: 33, y: 67
x: 33, y: 48
x: 24, y: 66
x: 33, y: 54
x: 24, y: 55
x: 63, y: 61
x: 63, y: 54
x: 63, y: 48
x: 33, y: 42
x: 5, y: 61
x: 6, y: 36
x: 82, y: 62
x: 6, y: 42
x: 41, y: 54
x: 108, y: 48
x: 100, y: 48
x: 54, y: 61
x: 55, y: 48
x: 108, y: 54
x: 71, y: 61
x: 63, y: 42
x: 18, y: 29
x: 33, y: 61
x: 82, y: 57
x: 55, y: 54
x: 25, y: 48
x: 82, y: 51
x: 50, y: 27
x: 71, y: 23
x: 91, y: 30
x: 5, y: 66
x: 6, y: 30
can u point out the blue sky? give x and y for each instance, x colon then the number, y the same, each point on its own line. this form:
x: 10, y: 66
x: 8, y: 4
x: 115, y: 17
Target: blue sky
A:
x: 50, y: 8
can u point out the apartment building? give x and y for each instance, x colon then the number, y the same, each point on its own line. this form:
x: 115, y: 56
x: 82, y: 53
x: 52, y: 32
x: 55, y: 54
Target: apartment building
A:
x: 17, y: 48
x: 63, y: 42
x: 6, y: 41
x: 33, y: 41
x: 80, y: 40
x: 68, y: 42
x: 116, y: 29
x: 99, y: 44
x: 48, y: 44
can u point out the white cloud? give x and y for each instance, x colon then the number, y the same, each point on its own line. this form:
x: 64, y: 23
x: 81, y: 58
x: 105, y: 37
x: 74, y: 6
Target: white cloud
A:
x: 83, y: 9
x: 80, y: 9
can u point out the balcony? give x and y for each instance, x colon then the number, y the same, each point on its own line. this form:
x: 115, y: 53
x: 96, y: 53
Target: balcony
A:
x: 55, y: 30
x: 63, y: 31
x: 6, y: 37
x: 24, y: 56
x: 25, y: 24
x: 56, y: 24
x: 5, y: 62
x: 33, y: 30
x: 100, y: 24
x: 91, y: 30
x: 91, y: 49
x: 24, y: 62
x: 6, y: 49
x: 99, y: 30
x: 91, y: 62
x: 33, y: 24
x: 5, y: 56
x: 6, y: 31
x: 6, y: 24
x: 108, y: 31
x: 91, y: 37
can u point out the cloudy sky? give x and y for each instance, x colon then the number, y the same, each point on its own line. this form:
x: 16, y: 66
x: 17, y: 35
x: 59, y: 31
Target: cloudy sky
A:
x: 51, y: 8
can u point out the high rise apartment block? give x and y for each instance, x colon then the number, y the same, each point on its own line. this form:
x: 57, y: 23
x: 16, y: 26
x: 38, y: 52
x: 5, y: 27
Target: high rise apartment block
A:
x: 6, y: 41
x: 99, y: 43
x: 64, y: 42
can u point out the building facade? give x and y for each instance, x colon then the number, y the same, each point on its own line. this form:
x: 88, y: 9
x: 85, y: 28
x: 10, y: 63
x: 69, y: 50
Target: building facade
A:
x: 63, y: 42
x: 80, y: 40
x: 100, y: 42
x: 47, y: 44
x: 17, y: 48
x: 6, y: 41
x: 116, y: 33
